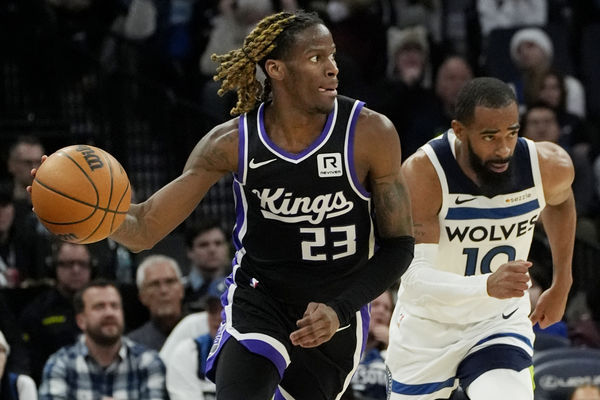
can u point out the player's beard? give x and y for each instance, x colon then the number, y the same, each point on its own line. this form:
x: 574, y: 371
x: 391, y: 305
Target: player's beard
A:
x: 491, y: 183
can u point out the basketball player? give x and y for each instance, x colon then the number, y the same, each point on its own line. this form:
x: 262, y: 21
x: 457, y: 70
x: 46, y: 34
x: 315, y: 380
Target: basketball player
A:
x: 310, y: 167
x: 477, y: 193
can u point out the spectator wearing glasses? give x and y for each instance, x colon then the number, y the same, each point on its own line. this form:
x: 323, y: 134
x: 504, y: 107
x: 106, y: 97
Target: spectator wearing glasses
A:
x: 48, y: 322
x: 161, y: 291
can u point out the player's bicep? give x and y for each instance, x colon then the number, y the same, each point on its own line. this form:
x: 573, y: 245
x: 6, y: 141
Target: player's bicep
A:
x: 425, y: 193
x: 557, y: 172
x: 216, y: 153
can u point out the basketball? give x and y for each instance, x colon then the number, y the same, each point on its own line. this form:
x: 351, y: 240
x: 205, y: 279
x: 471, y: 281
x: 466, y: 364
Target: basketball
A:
x: 81, y: 194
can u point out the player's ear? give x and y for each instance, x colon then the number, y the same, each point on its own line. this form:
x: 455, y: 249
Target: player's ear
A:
x: 458, y: 129
x: 274, y: 69
x: 80, y: 320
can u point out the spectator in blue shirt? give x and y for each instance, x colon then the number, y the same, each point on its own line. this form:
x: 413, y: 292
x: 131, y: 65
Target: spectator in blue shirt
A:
x: 103, y: 363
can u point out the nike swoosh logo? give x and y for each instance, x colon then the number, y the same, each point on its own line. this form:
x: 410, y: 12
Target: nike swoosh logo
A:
x: 507, y: 316
x: 460, y: 201
x: 255, y: 165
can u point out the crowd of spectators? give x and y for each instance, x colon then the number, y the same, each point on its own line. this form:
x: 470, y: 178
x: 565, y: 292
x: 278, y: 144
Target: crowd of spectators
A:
x: 406, y: 59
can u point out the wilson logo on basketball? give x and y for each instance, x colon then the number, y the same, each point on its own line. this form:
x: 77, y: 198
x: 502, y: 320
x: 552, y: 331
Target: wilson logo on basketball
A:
x: 91, y: 158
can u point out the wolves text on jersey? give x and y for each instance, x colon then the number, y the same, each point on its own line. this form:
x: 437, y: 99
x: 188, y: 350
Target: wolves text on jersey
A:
x: 280, y: 205
x: 491, y: 233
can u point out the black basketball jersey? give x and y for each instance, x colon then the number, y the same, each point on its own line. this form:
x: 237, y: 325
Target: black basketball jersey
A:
x: 303, y: 221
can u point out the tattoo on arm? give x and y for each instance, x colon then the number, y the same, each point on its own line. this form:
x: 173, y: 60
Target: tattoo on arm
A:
x: 392, y: 207
x: 419, y: 230
x: 213, y: 155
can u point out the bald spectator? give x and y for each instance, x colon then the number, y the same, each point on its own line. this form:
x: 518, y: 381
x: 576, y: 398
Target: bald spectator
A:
x: 161, y: 291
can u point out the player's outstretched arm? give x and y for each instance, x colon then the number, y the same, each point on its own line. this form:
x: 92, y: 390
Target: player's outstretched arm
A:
x: 559, y: 220
x: 150, y: 221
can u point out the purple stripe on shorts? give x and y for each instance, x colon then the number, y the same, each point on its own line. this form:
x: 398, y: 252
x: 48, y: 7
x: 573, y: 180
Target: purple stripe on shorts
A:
x: 220, y: 340
x: 366, y: 319
x: 278, y: 395
x: 266, y: 350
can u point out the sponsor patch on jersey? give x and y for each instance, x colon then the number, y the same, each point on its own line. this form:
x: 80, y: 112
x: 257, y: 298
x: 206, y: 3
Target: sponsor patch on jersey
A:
x: 329, y: 165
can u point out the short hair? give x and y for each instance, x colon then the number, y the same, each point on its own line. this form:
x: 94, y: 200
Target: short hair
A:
x: 207, y: 224
x: 272, y: 38
x: 149, y: 261
x: 482, y: 92
x: 536, y: 106
x: 78, y: 303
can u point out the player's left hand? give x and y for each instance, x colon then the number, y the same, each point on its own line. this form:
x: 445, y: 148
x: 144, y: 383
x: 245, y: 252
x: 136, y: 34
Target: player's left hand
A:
x: 550, y: 308
x: 317, y: 326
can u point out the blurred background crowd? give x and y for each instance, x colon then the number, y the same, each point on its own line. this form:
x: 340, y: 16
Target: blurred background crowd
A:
x: 134, y: 77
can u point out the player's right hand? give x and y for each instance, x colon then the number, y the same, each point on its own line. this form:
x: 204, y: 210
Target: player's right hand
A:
x: 34, y: 171
x: 509, y: 280
x: 318, y: 324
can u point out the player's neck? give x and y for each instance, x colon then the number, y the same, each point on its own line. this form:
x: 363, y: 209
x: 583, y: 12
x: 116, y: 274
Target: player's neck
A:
x: 291, y: 129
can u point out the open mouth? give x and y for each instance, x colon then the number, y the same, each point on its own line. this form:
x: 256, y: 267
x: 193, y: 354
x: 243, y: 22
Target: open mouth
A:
x: 329, y: 91
x: 498, y: 167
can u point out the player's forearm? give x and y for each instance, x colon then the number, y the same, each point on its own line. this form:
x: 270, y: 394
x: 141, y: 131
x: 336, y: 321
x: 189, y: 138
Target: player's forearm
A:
x: 133, y: 232
x: 425, y: 283
x: 559, y: 223
x: 382, y: 270
x: 148, y: 222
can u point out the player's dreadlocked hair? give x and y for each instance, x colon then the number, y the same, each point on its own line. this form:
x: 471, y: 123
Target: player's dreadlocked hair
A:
x: 271, y: 37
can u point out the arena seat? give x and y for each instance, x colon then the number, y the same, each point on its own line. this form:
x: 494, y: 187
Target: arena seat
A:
x: 556, y: 379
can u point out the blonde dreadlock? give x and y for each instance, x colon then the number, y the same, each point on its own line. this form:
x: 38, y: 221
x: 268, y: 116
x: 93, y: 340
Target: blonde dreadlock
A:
x: 237, y: 68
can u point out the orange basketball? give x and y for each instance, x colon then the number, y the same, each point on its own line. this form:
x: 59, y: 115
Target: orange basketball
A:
x: 81, y: 194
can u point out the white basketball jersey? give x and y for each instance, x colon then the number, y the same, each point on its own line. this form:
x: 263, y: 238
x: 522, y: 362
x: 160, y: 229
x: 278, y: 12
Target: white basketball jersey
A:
x: 477, y: 233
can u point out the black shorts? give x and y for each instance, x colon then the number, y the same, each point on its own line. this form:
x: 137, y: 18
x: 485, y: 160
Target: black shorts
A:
x: 263, y: 325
